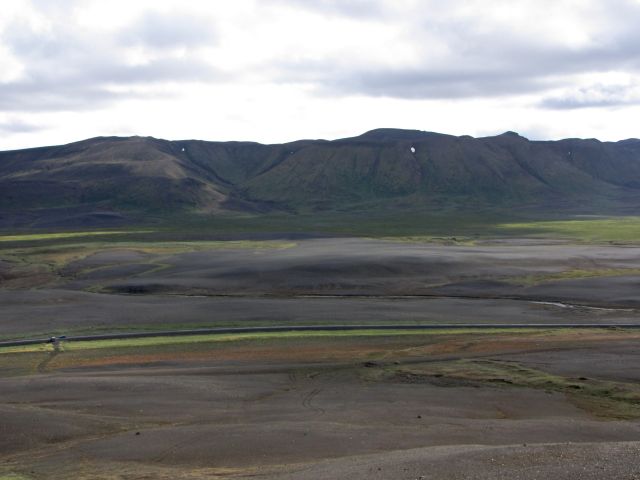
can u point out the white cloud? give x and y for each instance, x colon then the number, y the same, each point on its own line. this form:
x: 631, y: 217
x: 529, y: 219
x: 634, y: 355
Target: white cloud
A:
x: 276, y: 70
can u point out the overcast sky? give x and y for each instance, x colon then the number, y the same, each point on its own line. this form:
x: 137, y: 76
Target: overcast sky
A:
x: 280, y: 70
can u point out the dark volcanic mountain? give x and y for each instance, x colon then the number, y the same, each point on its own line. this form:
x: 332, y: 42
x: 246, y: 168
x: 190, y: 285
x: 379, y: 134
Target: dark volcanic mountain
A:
x: 394, y: 168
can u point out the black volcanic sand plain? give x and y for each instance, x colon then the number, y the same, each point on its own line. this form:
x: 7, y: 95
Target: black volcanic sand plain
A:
x: 470, y: 404
x: 370, y: 267
x: 94, y: 287
x: 442, y: 404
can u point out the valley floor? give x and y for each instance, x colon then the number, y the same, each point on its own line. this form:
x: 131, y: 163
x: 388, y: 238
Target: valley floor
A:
x: 437, y: 404
x: 562, y: 404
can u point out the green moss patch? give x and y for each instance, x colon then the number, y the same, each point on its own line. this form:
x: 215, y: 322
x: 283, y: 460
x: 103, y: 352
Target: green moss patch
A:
x: 574, y: 274
x: 619, y: 400
x: 610, y: 229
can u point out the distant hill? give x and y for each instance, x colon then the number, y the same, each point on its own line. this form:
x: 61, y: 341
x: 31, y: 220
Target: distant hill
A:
x: 102, y: 178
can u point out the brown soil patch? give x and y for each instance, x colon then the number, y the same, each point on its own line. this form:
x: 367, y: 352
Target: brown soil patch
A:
x: 274, y: 354
x: 339, y: 349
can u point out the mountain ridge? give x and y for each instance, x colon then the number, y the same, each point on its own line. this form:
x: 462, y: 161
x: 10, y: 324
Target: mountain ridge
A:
x: 383, y: 167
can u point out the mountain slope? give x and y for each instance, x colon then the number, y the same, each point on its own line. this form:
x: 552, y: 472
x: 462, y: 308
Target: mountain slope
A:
x: 388, y: 167
x: 425, y: 168
x: 119, y: 173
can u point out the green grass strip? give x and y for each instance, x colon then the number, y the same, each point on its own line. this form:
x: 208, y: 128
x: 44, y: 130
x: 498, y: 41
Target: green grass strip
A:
x: 52, y: 236
x: 622, y: 229
x: 232, y: 337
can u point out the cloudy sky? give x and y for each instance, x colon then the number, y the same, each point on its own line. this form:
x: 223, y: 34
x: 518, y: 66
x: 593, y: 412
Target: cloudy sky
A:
x: 279, y: 70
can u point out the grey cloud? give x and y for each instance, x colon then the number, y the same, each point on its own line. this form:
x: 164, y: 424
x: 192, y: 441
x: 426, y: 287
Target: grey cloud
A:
x: 71, y: 68
x: 593, y: 97
x: 66, y: 68
x: 39, y: 97
x: 161, y: 70
x: 169, y: 30
x: 348, y: 8
x: 570, y: 103
x: 56, y: 7
x: 481, y: 62
x: 421, y: 82
x: 417, y: 84
x: 19, y: 126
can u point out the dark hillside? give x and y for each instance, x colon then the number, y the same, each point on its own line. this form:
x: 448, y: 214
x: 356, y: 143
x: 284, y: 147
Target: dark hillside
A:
x: 384, y: 167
